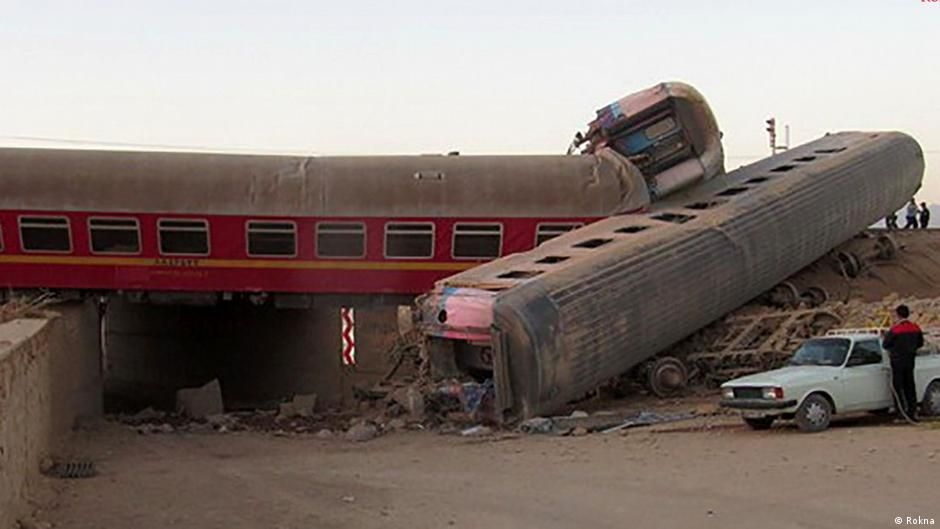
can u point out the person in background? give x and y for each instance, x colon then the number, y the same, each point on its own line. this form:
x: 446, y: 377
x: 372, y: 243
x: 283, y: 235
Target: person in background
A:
x: 911, y: 215
x: 902, y: 341
x: 924, y: 215
x: 891, y: 221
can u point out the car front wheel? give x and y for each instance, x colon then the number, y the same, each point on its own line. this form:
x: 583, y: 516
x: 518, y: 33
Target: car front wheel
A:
x: 931, y: 404
x: 814, y: 414
x: 759, y: 423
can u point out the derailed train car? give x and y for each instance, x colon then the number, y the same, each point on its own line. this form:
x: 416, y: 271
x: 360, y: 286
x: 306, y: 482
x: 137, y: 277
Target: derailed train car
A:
x: 553, y: 323
x: 204, y: 226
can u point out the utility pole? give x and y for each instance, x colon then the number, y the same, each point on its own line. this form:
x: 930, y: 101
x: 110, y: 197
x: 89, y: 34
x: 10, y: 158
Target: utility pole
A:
x: 772, y: 132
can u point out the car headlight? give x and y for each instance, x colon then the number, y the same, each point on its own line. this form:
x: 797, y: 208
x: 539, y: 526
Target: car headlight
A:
x: 773, y: 393
x: 727, y: 393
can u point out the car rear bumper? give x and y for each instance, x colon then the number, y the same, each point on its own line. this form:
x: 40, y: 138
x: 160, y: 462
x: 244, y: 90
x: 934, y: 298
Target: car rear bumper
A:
x: 757, y: 404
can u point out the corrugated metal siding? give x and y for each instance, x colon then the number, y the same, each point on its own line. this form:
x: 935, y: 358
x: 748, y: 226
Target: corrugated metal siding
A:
x: 627, y: 302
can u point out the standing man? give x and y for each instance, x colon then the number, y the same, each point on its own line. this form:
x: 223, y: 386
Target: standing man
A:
x: 924, y: 215
x: 911, y: 215
x: 902, y: 341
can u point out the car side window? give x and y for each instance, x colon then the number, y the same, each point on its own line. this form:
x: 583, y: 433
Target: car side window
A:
x: 866, y: 352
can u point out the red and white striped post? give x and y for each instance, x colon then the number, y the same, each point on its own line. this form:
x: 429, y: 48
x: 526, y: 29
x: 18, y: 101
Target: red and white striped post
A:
x: 347, y: 316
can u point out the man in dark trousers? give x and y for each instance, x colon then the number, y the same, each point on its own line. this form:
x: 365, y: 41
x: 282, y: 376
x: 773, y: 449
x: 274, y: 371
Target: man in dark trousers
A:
x: 902, y: 341
x: 911, y: 215
x: 924, y: 215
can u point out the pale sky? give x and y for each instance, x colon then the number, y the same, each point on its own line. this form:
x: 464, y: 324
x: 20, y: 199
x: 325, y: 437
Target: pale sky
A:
x: 357, y: 77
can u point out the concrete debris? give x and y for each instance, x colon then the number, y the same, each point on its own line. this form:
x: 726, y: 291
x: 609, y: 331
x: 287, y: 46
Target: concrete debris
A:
x: 412, y: 400
x: 154, y: 428
x: 599, y: 422
x: 72, y: 470
x: 361, y: 432
x: 537, y: 425
x: 578, y: 414
x: 33, y: 524
x: 325, y: 434
x: 201, y: 402
x: 476, y: 431
x: 222, y: 420
x: 396, y: 424
x: 299, y: 406
x: 148, y: 414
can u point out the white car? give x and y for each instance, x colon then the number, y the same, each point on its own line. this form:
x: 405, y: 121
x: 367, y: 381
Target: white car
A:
x: 845, y: 371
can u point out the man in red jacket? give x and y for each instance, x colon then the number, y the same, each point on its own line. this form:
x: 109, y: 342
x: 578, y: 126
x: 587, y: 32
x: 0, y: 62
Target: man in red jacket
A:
x: 902, y: 341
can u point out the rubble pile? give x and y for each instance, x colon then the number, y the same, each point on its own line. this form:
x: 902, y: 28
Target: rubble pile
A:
x: 926, y: 312
x: 25, y: 307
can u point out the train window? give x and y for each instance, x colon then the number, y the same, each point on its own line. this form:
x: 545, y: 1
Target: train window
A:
x: 337, y: 240
x: 519, y: 274
x: 592, y: 243
x: 631, y: 229
x: 45, y: 234
x: 545, y: 232
x: 731, y: 191
x: 553, y: 259
x: 676, y: 218
x: 183, y: 236
x: 782, y: 169
x: 409, y: 239
x: 477, y: 241
x: 805, y: 159
x: 829, y: 151
x: 273, y: 239
x: 757, y: 180
x: 660, y: 128
x: 114, y: 235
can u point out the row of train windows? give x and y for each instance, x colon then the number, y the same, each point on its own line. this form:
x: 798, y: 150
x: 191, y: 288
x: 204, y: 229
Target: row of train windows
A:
x: 273, y: 238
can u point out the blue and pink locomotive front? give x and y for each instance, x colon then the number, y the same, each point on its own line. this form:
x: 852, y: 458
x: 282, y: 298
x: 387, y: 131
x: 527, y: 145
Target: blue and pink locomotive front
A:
x: 665, y: 138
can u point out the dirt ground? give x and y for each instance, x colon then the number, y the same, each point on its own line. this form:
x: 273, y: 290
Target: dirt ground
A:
x: 858, y: 474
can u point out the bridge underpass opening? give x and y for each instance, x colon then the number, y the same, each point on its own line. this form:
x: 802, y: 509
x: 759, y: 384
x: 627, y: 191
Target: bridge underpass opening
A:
x: 261, y: 355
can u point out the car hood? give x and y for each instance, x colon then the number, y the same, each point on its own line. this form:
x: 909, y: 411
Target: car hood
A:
x: 785, y: 376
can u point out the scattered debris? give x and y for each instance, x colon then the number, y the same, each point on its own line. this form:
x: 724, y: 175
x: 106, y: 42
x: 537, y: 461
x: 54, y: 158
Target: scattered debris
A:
x: 325, y: 434
x: 411, y: 399
x: 201, y: 402
x: 72, y: 470
x: 148, y: 414
x: 599, y: 422
x: 33, y: 524
x: 476, y: 431
x: 361, y: 432
x: 299, y: 406
x: 26, y: 307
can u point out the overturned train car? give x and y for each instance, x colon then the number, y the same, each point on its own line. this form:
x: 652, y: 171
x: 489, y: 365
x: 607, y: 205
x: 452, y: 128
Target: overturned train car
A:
x: 554, y: 322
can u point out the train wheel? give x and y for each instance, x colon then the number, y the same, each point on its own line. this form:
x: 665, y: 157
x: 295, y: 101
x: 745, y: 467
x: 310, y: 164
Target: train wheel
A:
x: 666, y: 376
x: 849, y: 264
x: 785, y: 295
x: 815, y: 296
x: 886, y: 246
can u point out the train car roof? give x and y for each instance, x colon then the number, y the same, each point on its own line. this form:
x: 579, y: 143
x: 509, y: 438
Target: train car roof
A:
x: 209, y: 183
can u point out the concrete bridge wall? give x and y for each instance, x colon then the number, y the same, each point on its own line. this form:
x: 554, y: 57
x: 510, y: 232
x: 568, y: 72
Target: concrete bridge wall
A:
x: 49, y: 380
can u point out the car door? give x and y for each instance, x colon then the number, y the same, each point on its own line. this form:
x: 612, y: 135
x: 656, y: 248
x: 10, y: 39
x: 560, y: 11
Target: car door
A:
x: 865, y: 378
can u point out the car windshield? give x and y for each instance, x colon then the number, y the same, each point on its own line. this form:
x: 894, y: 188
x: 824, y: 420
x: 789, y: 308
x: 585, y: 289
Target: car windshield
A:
x: 821, y: 352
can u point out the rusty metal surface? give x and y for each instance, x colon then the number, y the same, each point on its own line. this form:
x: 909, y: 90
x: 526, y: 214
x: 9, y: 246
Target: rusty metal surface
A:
x: 596, y: 314
x: 207, y: 183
